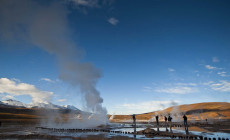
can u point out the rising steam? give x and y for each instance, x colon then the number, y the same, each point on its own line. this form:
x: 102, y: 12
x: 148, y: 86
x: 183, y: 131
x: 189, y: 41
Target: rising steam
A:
x: 46, y: 26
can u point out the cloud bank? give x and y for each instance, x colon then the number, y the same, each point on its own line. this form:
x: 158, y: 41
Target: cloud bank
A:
x: 14, y: 88
x: 222, y: 85
x: 143, y: 107
x: 177, y: 90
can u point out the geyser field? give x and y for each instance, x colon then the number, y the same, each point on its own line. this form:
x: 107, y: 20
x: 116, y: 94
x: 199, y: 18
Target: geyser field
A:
x: 114, y: 69
x: 41, y: 123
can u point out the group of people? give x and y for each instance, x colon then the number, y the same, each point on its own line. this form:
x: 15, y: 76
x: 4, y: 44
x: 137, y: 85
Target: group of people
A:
x: 168, y: 121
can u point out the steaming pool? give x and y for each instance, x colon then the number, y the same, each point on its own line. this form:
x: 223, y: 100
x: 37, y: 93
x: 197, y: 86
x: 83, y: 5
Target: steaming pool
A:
x: 114, y: 130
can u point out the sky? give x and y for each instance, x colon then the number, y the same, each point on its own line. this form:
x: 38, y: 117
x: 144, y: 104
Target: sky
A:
x: 138, y: 56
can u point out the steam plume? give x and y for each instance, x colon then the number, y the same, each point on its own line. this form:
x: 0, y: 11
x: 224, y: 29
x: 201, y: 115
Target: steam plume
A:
x: 46, y: 26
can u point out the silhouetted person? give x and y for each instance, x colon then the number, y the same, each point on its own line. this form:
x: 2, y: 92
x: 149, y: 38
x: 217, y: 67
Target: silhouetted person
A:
x: 166, y: 119
x: 134, y: 123
x: 170, y: 122
x: 157, y: 120
x: 185, y: 123
x: 134, y: 119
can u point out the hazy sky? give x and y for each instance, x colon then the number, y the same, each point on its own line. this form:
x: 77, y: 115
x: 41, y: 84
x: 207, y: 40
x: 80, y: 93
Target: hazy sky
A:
x: 152, y: 53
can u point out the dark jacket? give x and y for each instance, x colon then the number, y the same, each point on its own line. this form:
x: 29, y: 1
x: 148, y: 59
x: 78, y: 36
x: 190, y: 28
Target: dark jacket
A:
x: 166, y: 118
x: 185, y: 118
x: 156, y: 118
x: 134, y: 118
x: 169, y: 118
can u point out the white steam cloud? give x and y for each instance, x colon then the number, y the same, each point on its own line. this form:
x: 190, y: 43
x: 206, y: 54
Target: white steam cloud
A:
x: 46, y: 26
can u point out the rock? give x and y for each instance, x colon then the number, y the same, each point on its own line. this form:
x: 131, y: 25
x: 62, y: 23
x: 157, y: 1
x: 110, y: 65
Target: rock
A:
x: 148, y: 131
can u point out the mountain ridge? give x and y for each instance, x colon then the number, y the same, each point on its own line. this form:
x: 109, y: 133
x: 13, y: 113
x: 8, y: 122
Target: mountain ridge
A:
x: 15, y: 103
x: 195, y: 111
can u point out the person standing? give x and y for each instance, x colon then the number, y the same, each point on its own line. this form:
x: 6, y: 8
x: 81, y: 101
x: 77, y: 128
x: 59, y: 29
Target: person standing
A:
x: 166, y: 119
x: 134, y: 123
x: 134, y: 119
x: 166, y: 125
x: 157, y: 120
x: 185, y: 122
x: 170, y: 122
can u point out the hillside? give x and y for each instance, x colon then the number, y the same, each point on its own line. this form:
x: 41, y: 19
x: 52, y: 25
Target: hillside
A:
x: 9, y: 113
x: 198, y: 111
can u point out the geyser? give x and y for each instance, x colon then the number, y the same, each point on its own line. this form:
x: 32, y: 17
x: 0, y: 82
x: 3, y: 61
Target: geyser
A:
x: 46, y: 26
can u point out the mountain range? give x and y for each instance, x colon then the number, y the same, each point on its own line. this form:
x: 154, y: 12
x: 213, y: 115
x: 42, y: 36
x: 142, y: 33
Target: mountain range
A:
x: 15, y: 103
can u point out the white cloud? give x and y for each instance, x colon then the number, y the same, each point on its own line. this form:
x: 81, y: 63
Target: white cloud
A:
x: 171, y: 69
x: 177, y: 90
x: 83, y: 5
x: 7, y: 97
x: 14, y: 88
x: 215, y: 59
x: 143, y: 107
x: 223, y: 74
x: 113, y: 21
x: 208, y: 83
x: 223, y: 86
x: 86, y: 3
x: 186, y: 84
x: 61, y: 100
x: 147, y: 89
x: 47, y: 80
x: 174, y: 88
x: 210, y: 67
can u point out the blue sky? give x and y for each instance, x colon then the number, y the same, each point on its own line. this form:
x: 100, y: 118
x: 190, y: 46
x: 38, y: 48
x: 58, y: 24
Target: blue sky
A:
x: 152, y: 54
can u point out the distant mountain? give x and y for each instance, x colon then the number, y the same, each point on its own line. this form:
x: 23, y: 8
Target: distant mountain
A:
x: 11, y: 102
x: 16, y: 111
x: 15, y: 103
x: 71, y: 107
x: 45, y: 105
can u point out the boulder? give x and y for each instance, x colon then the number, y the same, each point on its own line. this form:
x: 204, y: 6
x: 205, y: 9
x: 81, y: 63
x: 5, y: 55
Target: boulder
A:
x: 148, y: 131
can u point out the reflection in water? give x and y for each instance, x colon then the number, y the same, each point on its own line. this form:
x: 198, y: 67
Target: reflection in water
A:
x: 192, y: 130
x: 171, y: 130
x: 186, y: 130
x: 134, y: 135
